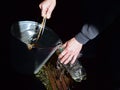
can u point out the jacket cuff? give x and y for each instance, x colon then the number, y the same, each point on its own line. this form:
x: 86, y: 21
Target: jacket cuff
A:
x: 81, y: 38
x: 87, y: 33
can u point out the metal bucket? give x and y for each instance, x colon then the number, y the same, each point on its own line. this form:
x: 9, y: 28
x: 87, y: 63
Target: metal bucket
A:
x: 30, y: 61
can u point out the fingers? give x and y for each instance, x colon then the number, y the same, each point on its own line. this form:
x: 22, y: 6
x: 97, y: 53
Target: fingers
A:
x: 47, y: 8
x: 44, y: 9
x: 49, y: 12
x: 71, y: 51
x: 66, y: 55
x: 63, y: 57
x: 73, y: 59
x: 63, y: 52
x: 69, y: 58
x: 66, y: 58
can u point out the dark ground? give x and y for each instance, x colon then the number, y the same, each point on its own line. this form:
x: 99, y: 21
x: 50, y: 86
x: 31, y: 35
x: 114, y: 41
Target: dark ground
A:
x: 97, y: 58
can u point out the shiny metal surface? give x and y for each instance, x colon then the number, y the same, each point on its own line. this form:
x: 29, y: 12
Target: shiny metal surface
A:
x: 30, y: 61
x: 25, y: 31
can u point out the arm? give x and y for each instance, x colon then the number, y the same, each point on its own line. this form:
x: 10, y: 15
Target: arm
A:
x: 87, y: 33
x: 96, y: 20
x: 73, y: 47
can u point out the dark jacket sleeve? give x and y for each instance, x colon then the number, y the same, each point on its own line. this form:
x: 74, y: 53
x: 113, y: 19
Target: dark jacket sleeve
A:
x: 98, y: 16
x: 87, y: 33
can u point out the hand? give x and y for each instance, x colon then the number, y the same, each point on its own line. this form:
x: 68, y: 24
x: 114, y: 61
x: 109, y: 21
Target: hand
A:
x: 47, y: 7
x: 71, y: 51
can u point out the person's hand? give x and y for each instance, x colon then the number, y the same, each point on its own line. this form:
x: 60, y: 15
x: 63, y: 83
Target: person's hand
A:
x: 71, y: 51
x: 47, y: 7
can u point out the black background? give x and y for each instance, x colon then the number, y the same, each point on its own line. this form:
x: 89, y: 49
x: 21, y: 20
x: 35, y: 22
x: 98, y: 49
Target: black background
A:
x: 64, y: 21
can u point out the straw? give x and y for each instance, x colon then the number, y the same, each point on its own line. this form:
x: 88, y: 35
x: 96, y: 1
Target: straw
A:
x: 42, y: 28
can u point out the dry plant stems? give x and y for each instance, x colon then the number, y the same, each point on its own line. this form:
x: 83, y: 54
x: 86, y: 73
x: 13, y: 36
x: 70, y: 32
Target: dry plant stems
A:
x: 30, y: 46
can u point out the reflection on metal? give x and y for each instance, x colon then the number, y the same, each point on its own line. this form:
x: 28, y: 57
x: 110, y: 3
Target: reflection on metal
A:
x: 29, y: 32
